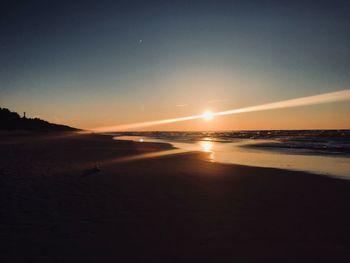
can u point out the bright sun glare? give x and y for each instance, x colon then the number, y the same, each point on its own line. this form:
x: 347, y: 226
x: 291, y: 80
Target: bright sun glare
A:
x: 207, y: 115
x: 206, y: 146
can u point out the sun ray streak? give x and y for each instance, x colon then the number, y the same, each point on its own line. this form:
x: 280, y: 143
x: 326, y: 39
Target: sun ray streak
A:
x: 310, y: 100
x: 342, y: 95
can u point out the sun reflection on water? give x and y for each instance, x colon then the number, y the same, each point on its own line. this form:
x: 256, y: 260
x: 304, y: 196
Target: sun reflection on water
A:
x: 207, y: 146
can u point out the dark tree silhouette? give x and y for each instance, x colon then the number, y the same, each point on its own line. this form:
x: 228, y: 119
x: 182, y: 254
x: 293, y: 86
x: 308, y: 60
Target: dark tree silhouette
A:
x: 12, y: 121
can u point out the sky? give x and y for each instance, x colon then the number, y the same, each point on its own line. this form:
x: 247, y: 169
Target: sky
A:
x: 99, y: 63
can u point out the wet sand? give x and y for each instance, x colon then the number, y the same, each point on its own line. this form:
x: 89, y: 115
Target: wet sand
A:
x: 58, y: 206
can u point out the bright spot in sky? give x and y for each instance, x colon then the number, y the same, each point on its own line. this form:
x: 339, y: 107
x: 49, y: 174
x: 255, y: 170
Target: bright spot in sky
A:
x: 207, y: 115
x: 206, y: 146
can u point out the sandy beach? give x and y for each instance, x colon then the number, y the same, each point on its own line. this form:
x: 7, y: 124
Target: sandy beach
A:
x: 67, y: 198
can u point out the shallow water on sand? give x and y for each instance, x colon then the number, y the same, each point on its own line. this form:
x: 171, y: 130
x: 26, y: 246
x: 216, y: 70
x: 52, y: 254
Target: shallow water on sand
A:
x: 243, y: 152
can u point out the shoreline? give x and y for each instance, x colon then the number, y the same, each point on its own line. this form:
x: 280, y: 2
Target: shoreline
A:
x: 251, y: 154
x: 176, y: 208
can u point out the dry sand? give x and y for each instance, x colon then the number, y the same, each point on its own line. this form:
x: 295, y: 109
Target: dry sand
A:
x: 56, y: 207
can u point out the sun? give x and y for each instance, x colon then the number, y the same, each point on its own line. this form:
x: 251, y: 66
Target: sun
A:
x: 207, y: 115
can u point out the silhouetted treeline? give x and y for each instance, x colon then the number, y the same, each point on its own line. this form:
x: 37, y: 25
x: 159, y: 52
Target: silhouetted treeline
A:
x: 12, y: 121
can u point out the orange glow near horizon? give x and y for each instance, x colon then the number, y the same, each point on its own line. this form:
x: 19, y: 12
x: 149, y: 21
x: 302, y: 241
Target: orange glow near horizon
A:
x: 343, y: 95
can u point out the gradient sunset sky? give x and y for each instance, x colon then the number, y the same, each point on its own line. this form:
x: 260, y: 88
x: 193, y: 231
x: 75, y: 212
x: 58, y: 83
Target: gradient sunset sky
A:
x: 98, y: 63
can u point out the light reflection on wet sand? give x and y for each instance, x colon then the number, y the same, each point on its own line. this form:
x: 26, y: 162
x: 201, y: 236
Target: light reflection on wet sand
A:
x: 234, y: 153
